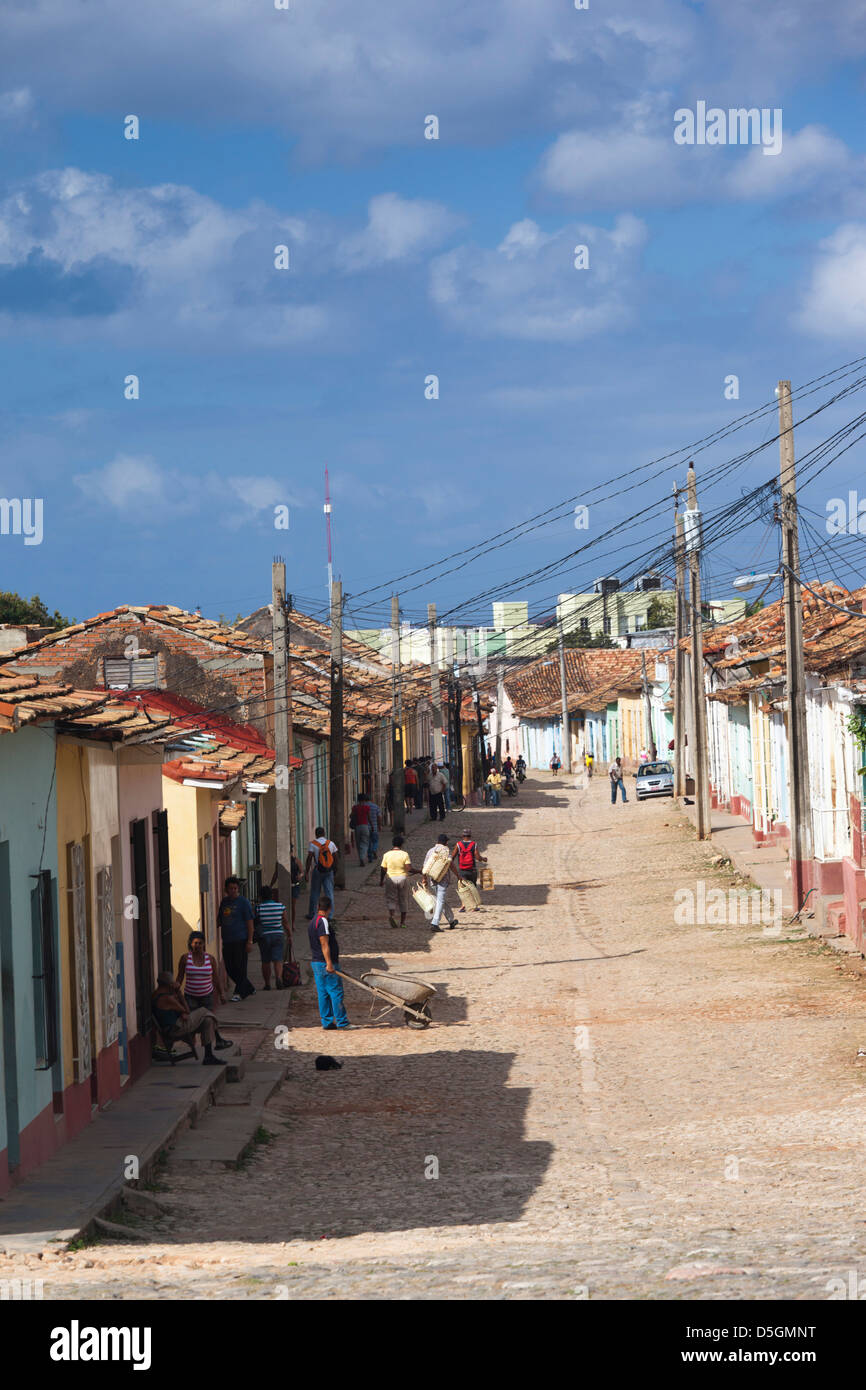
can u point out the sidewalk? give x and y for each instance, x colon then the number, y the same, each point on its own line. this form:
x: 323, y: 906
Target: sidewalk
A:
x: 767, y: 865
x: 85, y: 1178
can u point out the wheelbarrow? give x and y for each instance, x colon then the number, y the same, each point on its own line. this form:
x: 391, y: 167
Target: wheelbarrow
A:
x: 398, y: 992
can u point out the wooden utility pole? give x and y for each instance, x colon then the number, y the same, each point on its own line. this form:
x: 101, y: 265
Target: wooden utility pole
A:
x: 456, y: 738
x: 565, y: 733
x: 500, y: 707
x: 397, y: 754
x: 680, y: 692
x: 481, y: 744
x: 798, y: 746
x: 435, y: 692
x: 337, y: 816
x: 282, y: 744
x: 651, y: 742
x: 692, y: 528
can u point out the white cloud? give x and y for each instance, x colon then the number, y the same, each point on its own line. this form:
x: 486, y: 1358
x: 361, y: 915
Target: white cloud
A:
x: 397, y: 229
x: 167, y: 263
x: 833, y: 304
x: 528, y: 287
x: 15, y: 103
x: 136, y: 482
x: 638, y: 159
x: 340, y: 77
x: 808, y: 157
x: 128, y: 480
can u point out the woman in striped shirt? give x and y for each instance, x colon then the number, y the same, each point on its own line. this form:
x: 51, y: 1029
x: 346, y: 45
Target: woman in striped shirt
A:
x: 198, y: 976
x: 273, y: 928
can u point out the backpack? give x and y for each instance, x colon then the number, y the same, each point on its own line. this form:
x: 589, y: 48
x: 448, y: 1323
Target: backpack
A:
x: 325, y: 860
x: 466, y: 858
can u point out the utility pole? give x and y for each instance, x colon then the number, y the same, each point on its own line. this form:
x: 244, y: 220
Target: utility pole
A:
x: 692, y: 530
x: 399, y: 784
x: 337, y: 817
x: 457, y: 743
x: 798, y: 747
x: 481, y: 744
x: 282, y: 745
x: 435, y: 692
x: 651, y: 742
x: 680, y: 692
x: 565, y: 735
x: 500, y: 706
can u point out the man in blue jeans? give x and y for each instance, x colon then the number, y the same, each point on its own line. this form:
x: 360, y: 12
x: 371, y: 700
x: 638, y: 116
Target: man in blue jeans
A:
x: 325, y: 958
x: 614, y: 772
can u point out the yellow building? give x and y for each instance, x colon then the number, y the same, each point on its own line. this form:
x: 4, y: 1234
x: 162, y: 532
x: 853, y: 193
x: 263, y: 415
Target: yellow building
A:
x: 88, y: 846
x: 192, y: 821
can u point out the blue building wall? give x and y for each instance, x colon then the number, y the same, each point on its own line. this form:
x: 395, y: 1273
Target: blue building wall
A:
x: 28, y: 817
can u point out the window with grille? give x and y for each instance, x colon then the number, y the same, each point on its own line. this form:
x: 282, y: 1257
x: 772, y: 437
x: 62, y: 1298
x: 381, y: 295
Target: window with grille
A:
x: 607, y: 626
x: 133, y: 673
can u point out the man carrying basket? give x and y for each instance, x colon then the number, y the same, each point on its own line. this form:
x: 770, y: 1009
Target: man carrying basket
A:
x: 467, y: 856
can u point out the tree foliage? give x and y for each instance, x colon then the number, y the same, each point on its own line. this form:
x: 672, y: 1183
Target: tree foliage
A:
x: 661, y: 611
x: 29, y: 612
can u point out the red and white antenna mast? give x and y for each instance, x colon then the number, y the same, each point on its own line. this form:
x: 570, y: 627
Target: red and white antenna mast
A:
x: 327, y: 510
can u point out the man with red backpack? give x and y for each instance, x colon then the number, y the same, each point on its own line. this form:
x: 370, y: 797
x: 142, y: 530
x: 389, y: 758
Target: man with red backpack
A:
x: 468, y: 856
x: 319, y: 869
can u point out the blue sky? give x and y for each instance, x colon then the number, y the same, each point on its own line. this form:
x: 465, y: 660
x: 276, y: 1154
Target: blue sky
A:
x: 408, y: 257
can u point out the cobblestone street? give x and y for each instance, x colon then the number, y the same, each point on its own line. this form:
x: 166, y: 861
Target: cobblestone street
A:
x: 617, y: 1106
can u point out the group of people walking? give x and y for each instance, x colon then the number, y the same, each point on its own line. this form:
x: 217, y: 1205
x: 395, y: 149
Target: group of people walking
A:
x: 183, y: 1006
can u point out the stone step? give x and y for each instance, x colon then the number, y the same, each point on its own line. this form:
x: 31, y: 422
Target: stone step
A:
x: 225, y: 1135
x: 256, y: 1088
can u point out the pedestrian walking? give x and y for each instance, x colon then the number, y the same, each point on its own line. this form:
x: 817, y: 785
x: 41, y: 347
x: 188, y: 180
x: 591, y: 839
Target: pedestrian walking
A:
x: 235, y: 917
x: 359, y: 821
x: 410, y: 785
x: 394, y: 872
x: 421, y: 783
x: 614, y: 772
x: 274, y: 931
x: 588, y: 761
x: 319, y: 869
x: 555, y: 764
x: 437, y: 867
x: 198, y: 975
x: 436, y: 787
x: 468, y: 857
x: 375, y: 821
x: 493, y: 787
x: 325, y: 957
x: 445, y: 769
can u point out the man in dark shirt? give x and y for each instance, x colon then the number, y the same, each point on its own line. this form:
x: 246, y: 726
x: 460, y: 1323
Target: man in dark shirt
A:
x: 325, y: 956
x: 235, y: 919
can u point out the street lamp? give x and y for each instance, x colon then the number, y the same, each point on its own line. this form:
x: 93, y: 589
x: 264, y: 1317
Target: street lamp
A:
x: 745, y: 582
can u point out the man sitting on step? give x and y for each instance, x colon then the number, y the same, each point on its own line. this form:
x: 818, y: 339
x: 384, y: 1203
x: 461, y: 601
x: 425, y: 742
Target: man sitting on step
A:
x: 176, y: 1020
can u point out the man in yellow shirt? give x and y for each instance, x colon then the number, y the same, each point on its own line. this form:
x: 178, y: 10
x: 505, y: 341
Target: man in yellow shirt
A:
x: 494, y: 786
x: 394, y: 873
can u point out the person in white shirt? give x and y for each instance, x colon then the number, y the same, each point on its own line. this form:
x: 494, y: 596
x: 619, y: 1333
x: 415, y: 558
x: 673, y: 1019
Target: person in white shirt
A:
x: 436, y: 784
x: 436, y: 869
x: 614, y: 772
x: 319, y: 869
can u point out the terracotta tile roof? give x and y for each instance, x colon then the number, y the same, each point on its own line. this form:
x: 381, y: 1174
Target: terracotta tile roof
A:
x: 28, y: 699
x: 204, y: 628
x: 833, y: 642
x: 593, y: 677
